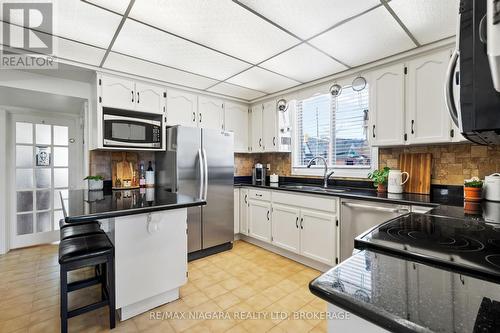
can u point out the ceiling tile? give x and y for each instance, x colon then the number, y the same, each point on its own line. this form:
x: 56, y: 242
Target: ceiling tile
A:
x: 236, y: 91
x: 138, y: 67
x: 307, y: 18
x: 428, y: 20
x: 78, y: 52
x: 74, y: 51
x: 370, y: 37
x: 145, y: 42
x: 118, y: 6
x: 221, y: 24
x: 262, y: 80
x: 82, y: 22
x: 303, y: 63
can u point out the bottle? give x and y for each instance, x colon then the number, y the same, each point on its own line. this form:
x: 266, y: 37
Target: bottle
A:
x: 150, y: 176
x: 142, y: 176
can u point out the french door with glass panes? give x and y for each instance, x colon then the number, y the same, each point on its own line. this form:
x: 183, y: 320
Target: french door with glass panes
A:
x: 44, y: 160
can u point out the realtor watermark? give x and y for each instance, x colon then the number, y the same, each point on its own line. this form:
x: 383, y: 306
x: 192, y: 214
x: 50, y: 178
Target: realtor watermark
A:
x: 249, y: 315
x: 27, y: 40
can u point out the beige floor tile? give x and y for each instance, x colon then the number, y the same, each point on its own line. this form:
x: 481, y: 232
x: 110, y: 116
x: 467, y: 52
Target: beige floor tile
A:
x: 226, y: 300
x: 259, y: 302
x: 215, y: 290
x: 195, y: 299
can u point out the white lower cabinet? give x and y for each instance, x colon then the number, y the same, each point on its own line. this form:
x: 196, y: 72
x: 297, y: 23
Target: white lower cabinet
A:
x: 285, y: 227
x: 244, y: 211
x: 259, y: 217
x: 318, y: 236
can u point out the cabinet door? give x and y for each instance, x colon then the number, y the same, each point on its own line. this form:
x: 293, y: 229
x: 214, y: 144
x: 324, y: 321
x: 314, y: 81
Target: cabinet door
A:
x: 387, y: 106
x: 210, y: 112
x: 118, y: 93
x: 285, y: 227
x: 244, y: 211
x: 317, y: 236
x: 428, y: 120
x: 149, y: 98
x: 181, y: 108
x: 236, y: 217
x: 259, y: 213
x: 236, y: 121
x: 141, y: 242
x: 257, y: 144
x: 269, y: 127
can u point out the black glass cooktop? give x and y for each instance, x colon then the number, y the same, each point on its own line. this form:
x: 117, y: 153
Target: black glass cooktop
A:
x: 469, y: 246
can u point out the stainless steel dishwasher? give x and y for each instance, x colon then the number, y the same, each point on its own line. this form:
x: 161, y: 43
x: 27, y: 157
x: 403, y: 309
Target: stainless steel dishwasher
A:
x: 358, y: 216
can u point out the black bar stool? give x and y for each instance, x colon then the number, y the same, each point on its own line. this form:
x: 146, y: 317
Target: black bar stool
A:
x: 87, y: 251
x: 80, y: 229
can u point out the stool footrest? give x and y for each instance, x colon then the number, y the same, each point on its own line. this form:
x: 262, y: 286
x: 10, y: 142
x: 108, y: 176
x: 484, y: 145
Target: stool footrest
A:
x: 83, y: 283
x: 87, y: 308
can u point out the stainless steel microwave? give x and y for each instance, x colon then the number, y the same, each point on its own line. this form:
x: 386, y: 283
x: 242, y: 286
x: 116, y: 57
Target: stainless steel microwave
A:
x: 132, y: 131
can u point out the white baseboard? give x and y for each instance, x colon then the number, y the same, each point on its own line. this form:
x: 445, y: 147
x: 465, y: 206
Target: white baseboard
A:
x: 132, y: 310
x: 290, y: 255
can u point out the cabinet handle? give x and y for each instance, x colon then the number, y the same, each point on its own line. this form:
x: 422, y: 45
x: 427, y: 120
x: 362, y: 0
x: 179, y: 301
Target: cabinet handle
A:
x: 301, y: 221
x: 412, y: 126
x: 268, y: 215
x: 258, y: 195
x: 138, y: 97
x: 246, y: 196
x: 260, y: 142
x: 274, y: 141
x: 297, y: 222
x: 373, y: 131
x: 200, y: 116
x: 194, y: 117
x: 132, y: 96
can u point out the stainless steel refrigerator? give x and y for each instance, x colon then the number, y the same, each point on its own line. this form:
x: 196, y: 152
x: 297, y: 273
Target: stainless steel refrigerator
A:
x: 200, y: 163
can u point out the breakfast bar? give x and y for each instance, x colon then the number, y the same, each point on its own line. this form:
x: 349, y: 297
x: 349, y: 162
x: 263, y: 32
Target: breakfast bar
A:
x: 145, y: 226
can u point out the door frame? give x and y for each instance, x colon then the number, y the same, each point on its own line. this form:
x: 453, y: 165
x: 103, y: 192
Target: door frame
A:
x: 75, y: 181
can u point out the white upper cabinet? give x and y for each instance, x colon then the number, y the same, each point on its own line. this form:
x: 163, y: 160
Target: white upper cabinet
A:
x: 181, y: 108
x: 150, y: 98
x: 269, y: 126
x: 387, y: 106
x: 117, y: 92
x: 257, y: 144
x: 428, y: 120
x: 121, y: 93
x: 210, y: 113
x: 236, y: 121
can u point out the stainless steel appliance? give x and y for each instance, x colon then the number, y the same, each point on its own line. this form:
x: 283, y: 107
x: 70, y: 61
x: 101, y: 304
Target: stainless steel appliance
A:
x: 200, y: 163
x: 259, y: 174
x: 358, y: 216
x: 132, y: 130
x: 476, y: 111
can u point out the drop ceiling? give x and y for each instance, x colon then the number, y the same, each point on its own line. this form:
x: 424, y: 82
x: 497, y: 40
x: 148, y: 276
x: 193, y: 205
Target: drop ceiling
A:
x: 244, y: 48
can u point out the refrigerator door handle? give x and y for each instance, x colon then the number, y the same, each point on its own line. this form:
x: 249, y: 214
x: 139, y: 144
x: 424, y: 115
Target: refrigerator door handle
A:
x: 202, y: 173
x: 205, y: 173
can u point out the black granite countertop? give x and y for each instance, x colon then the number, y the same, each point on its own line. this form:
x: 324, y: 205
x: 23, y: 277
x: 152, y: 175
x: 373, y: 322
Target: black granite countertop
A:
x: 402, y: 295
x: 439, y: 196
x: 84, y: 205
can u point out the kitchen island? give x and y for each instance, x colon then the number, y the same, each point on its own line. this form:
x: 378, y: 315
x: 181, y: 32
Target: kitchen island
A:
x: 148, y: 228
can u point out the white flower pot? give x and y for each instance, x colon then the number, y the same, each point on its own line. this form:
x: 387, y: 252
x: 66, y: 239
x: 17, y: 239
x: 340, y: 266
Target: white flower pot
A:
x: 95, y: 185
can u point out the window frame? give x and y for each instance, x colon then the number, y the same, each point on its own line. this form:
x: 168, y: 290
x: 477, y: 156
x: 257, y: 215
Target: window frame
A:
x: 318, y: 170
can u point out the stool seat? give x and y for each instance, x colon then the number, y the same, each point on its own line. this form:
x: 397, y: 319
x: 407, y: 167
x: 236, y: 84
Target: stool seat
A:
x: 77, y: 230
x: 84, y: 247
x: 64, y: 224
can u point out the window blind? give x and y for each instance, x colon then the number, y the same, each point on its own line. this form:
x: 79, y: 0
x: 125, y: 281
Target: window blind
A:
x: 334, y: 128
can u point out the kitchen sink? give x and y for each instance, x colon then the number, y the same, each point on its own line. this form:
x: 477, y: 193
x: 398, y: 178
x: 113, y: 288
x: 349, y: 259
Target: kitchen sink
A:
x: 313, y: 188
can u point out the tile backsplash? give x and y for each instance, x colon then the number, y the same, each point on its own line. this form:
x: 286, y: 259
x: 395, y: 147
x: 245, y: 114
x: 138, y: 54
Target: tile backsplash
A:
x: 100, y: 162
x: 451, y: 163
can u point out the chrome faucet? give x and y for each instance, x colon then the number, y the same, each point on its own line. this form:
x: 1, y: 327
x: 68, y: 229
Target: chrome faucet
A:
x: 327, y: 175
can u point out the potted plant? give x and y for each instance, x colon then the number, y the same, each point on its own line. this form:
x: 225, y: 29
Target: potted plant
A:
x: 95, y: 182
x: 380, y: 178
x: 473, y: 189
